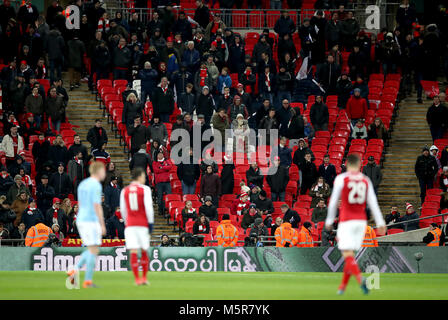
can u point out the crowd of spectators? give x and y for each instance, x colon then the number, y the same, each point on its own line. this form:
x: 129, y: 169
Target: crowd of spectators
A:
x: 212, y: 76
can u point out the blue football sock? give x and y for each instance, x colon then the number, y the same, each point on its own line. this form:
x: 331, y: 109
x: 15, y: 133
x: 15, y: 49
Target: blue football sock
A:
x: 90, y: 266
x: 83, y: 259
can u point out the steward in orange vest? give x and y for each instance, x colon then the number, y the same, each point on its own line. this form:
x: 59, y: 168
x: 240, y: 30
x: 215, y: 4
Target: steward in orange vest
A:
x: 432, y: 239
x: 286, y: 236
x: 226, y: 233
x: 37, y: 235
x: 370, y: 238
x: 305, y: 238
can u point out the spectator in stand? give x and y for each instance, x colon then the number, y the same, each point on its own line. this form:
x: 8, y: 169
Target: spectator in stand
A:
x: 359, y: 130
x: 434, y: 151
x: 284, y: 116
x: 40, y: 151
x: 377, y: 130
x: 249, y: 216
x: 189, y: 173
x: 284, y: 24
x: 349, y: 30
x: 205, y: 103
x: 406, y: 15
x: 187, y: 100
x: 148, y: 77
x: 101, y: 154
x: 210, y: 185
x: 112, y: 193
x: 97, y: 135
x: 327, y: 75
x: 241, y: 204
x: 140, y: 159
x: 112, y: 171
x: 357, y: 107
x: 191, y: 58
x: 77, y: 147
x: 393, y: 217
x: 61, y: 182
x: 425, y: 169
x: 227, y: 177
x: 16, y: 189
x: 6, y: 181
x: 55, y: 47
x: 55, y: 215
x: 410, y: 215
x: 34, y: 103
x: 32, y: 215
x: 220, y: 121
x: 319, y: 212
x: 277, y: 178
x: 254, y: 175
x: 208, y: 209
x: 443, y: 182
x: 308, y: 129
x: 121, y: 60
x: 188, y: 212
x: 284, y: 153
x: 7, y: 216
x: 76, y: 50
x: 296, y: 128
x: 436, y: 117
x: 45, y: 194
x: 139, y: 134
x: 132, y: 109
x: 357, y: 61
x: 58, y: 151
x: 161, y: 169
x: 388, y: 54
x: 299, y: 154
x: 201, y: 14
x: 361, y: 85
x: 157, y: 131
x: 264, y: 205
x: 309, y: 174
x: 328, y: 171
x: 319, y: 191
x: 290, y: 216
x: 76, y: 170
x: 163, y: 100
x: 344, y: 87
x: 12, y: 144
x: 55, y: 109
x: 319, y: 115
x: 115, y: 225
x: 201, y: 225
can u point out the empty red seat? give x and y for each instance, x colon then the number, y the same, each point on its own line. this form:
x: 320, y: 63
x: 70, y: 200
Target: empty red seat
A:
x: 256, y: 19
x: 239, y: 19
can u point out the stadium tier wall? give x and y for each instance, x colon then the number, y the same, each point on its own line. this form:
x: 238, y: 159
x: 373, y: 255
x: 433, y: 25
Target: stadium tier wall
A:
x: 212, y: 259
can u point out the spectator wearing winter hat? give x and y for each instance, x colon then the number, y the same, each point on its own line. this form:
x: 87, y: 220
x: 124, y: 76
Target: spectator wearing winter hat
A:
x: 208, y: 209
x: 264, y: 205
x: 32, y: 214
x: 240, y: 205
x: 410, y: 215
x: 434, y: 151
x: 112, y: 193
x: 425, y: 169
x: 356, y: 107
x: 17, y: 188
x: 249, y: 216
x: 254, y: 175
x: 56, y: 215
x: 344, y: 87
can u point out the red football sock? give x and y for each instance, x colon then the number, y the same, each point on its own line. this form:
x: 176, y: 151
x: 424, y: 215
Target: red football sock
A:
x: 354, y: 269
x: 345, y: 277
x: 144, y: 262
x: 134, y: 265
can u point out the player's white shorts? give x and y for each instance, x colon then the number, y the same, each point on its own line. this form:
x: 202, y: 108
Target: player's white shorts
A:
x: 137, y: 237
x: 90, y: 233
x: 350, y: 234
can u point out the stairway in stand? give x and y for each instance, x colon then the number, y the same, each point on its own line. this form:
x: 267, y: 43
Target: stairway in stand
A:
x: 82, y: 111
x: 411, y: 133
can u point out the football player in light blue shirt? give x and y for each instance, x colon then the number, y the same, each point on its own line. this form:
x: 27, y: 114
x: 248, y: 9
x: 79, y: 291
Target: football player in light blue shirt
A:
x: 90, y: 222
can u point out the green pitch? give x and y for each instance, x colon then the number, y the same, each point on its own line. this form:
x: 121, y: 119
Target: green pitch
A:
x: 209, y: 286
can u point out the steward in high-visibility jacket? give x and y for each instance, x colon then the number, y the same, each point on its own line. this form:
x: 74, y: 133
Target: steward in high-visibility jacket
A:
x: 305, y: 237
x: 432, y: 239
x: 227, y: 234
x: 370, y: 238
x: 286, y: 234
x: 37, y: 235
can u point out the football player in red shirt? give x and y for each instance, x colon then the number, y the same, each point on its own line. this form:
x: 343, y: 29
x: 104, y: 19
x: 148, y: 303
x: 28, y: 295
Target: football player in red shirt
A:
x: 355, y: 190
x: 138, y: 214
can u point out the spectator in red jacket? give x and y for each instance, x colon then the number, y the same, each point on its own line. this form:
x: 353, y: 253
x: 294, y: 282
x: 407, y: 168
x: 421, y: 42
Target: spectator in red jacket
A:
x: 356, y: 107
x: 161, y: 169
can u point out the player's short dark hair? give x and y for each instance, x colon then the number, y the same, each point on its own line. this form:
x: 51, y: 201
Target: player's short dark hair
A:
x: 353, y: 159
x: 136, y: 173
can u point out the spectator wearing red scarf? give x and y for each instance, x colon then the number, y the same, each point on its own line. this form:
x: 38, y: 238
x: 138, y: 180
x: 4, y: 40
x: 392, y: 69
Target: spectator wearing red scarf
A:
x: 356, y: 107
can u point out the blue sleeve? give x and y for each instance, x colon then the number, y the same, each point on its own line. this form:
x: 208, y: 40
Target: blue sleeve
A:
x: 96, y: 196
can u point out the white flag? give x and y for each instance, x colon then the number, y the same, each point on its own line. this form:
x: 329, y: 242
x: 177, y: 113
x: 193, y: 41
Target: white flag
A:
x: 303, y: 72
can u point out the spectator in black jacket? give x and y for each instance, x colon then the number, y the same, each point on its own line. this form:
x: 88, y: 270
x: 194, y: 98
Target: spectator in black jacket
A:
x: 163, y: 100
x: 227, y: 177
x: 189, y: 173
x: 187, y: 101
x: 140, y: 159
x: 284, y: 25
x: 202, y: 14
x: 277, y: 178
x: 45, y: 194
x: 77, y: 147
x: 61, y: 182
x: 373, y: 171
x: 328, y: 171
x: 112, y: 193
x: 6, y: 181
x: 121, y: 60
x: 254, y: 175
x: 132, y: 108
x: 32, y: 215
x: 115, y: 225
x: 97, y: 135
x: 290, y: 216
x: 299, y: 155
x: 139, y: 134
x: 264, y: 205
x: 40, y: 151
x: 436, y: 117
x: 333, y: 31
x: 319, y: 115
x: 327, y: 75
x: 58, y: 151
x: 309, y: 174
x: 425, y: 169
x: 208, y: 209
x: 344, y: 87
x: 410, y: 215
x: 55, y: 215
